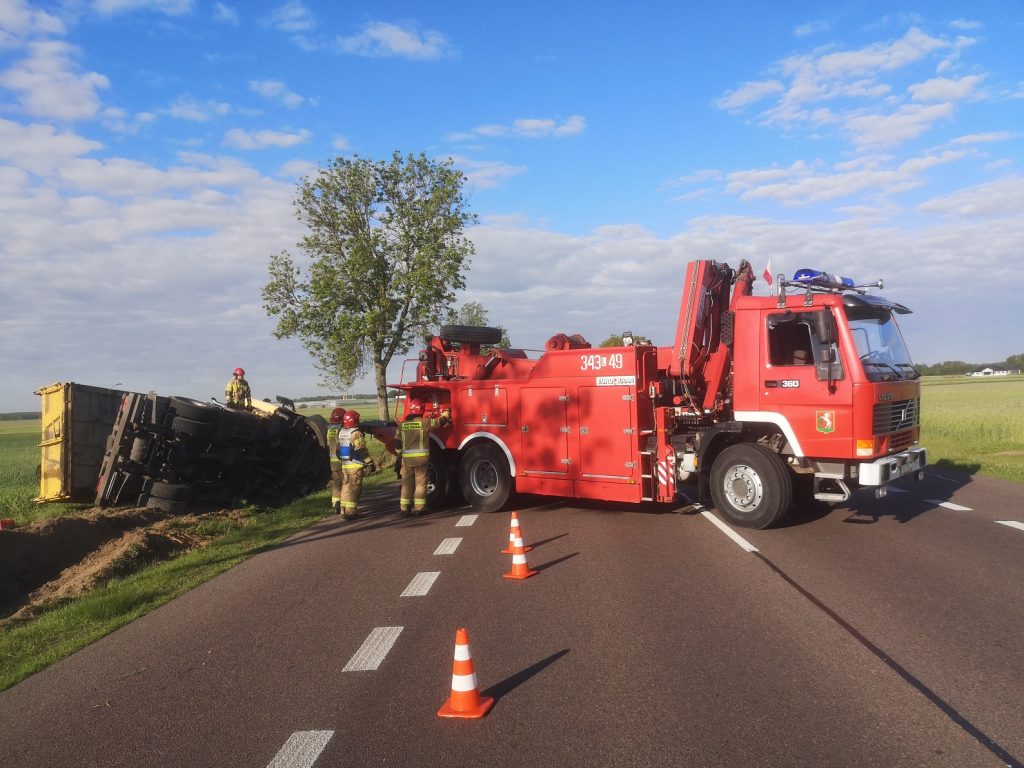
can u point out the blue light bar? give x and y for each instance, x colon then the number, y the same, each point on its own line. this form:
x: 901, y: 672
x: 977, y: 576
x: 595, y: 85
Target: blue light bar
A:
x: 818, y: 277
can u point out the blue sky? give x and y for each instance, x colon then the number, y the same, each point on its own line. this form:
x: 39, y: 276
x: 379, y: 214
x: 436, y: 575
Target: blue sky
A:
x: 149, y: 151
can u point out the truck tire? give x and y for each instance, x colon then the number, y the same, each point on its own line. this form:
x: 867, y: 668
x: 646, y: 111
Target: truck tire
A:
x: 319, y: 426
x: 751, y: 486
x: 171, y: 491
x: 139, y: 447
x: 191, y: 427
x: 485, y: 477
x: 187, y: 408
x: 167, y: 505
x: 437, y: 479
x: 470, y: 334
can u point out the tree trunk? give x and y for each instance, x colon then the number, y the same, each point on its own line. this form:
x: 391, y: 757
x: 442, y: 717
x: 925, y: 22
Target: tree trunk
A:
x: 380, y: 370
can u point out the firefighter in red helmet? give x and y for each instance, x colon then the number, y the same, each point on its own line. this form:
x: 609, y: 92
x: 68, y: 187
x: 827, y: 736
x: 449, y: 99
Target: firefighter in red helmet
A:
x: 332, y: 449
x: 413, y: 449
x: 355, y: 463
x: 237, y: 393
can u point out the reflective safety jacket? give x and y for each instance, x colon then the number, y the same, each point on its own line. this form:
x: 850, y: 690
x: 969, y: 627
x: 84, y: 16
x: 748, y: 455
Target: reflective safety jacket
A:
x: 332, y: 443
x: 352, y: 451
x: 237, y: 393
x: 414, y: 442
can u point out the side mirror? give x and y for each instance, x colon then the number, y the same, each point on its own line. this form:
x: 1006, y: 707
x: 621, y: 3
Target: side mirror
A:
x: 825, y: 327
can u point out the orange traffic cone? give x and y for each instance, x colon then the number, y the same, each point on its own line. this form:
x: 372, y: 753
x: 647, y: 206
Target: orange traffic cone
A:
x: 520, y: 570
x: 515, y: 536
x: 465, y: 700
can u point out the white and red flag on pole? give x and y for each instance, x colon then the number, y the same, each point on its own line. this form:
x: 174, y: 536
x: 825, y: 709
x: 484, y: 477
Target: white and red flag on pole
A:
x: 767, y: 274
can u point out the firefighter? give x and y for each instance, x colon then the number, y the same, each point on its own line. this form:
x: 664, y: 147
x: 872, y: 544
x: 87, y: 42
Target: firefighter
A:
x: 414, y: 451
x: 355, y: 461
x: 237, y: 392
x: 332, y: 449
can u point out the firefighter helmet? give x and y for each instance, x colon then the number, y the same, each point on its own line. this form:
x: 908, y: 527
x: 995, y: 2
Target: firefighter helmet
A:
x: 414, y: 408
x: 337, y: 415
x: 239, y: 372
x: 350, y: 419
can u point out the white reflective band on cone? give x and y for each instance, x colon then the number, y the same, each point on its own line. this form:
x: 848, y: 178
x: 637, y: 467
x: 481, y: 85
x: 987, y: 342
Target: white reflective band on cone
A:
x: 464, y: 682
x: 462, y: 653
x: 518, y: 559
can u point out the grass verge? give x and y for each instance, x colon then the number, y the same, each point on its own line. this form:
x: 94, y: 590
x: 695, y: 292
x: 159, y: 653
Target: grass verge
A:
x: 64, y: 629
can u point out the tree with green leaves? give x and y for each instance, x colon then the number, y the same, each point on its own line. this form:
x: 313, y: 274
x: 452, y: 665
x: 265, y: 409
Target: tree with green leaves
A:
x: 384, y: 255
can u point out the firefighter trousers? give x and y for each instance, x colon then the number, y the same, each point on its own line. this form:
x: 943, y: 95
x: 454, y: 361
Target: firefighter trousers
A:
x: 413, y: 496
x: 351, y: 487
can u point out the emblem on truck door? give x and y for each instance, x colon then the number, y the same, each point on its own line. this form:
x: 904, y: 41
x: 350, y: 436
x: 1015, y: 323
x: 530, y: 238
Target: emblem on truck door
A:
x: 825, y: 421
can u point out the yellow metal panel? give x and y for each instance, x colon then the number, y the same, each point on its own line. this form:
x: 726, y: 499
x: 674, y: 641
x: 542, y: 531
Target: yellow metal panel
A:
x: 53, y: 477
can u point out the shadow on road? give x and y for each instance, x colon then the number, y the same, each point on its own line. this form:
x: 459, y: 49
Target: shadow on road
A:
x: 509, y: 684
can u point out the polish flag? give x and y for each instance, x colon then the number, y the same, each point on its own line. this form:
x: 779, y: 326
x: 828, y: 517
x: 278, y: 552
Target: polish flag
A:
x: 767, y: 274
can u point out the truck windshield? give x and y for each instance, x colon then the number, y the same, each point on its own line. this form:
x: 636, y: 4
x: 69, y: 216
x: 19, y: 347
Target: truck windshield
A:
x: 880, y: 345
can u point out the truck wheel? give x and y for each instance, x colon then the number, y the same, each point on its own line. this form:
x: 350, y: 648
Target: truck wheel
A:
x: 319, y: 425
x: 139, y: 447
x: 751, y: 486
x: 470, y: 334
x: 167, y: 505
x: 171, y: 491
x: 190, y: 427
x: 187, y: 408
x: 485, y: 478
x: 437, y: 479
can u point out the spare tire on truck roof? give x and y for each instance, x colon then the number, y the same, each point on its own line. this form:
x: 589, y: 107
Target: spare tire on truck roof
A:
x: 470, y: 334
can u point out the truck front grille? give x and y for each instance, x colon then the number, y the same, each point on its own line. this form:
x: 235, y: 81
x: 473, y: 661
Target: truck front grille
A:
x: 894, y: 417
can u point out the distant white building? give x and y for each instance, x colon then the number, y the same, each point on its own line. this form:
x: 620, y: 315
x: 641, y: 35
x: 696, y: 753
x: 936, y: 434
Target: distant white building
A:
x: 992, y: 372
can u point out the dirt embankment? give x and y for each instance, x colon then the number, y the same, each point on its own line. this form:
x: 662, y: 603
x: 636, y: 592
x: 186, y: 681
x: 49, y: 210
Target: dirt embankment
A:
x: 52, y: 560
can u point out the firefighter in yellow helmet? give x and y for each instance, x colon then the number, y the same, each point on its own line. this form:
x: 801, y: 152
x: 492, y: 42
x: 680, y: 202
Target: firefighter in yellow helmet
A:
x: 237, y: 391
x: 413, y: 447
x: 355, y: 462
x: 332, y: 449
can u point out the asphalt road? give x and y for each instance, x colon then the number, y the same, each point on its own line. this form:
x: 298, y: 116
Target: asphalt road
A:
x: 880, y: 633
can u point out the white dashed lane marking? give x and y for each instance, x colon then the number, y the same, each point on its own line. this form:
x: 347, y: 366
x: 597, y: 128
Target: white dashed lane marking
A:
x: 301, y: 750
x: 466, y: 520
x: 1012, y: 524
x: 421, y: 584
x: 949, y: 505
x: 448, y: 547
x: 373, y: 650
x: 730, y: 532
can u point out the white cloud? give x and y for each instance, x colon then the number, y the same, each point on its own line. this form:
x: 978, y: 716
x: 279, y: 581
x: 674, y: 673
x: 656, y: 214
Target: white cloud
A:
x: 50, y: 84
x: 993, y: 199
x: 292, y: 17
x: 226, y: 14
x: 383, y: 39
x: 168, y: 7
x: 966, y: 25
x: 187, y: 108
x: 907, y: 122
x: 20, y: 21
x: 242, y: 139
x: 984, y: 138
x: 40, y: 149
x: 277, y: 91
x: 340, y: 143
x: 749, y: 93
x: 527, y: 128
x: 811, y: 28
x: 945, y: 89
x: 486, y: 174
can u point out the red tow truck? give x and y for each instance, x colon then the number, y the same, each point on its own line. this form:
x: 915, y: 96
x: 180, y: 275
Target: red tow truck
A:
x: 765, y: 401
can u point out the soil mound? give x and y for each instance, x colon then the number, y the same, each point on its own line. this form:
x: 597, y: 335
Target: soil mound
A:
x: 65, y: 557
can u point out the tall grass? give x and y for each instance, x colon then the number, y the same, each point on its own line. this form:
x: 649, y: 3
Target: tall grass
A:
x: 975, y: 425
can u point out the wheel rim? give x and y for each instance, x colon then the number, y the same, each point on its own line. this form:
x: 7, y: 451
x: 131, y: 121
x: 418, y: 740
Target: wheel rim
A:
x: 483, y: 478
x: 743, y: 488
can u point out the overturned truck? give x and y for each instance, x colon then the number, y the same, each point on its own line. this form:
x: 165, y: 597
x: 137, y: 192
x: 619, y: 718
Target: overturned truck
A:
x: 117, y: 448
